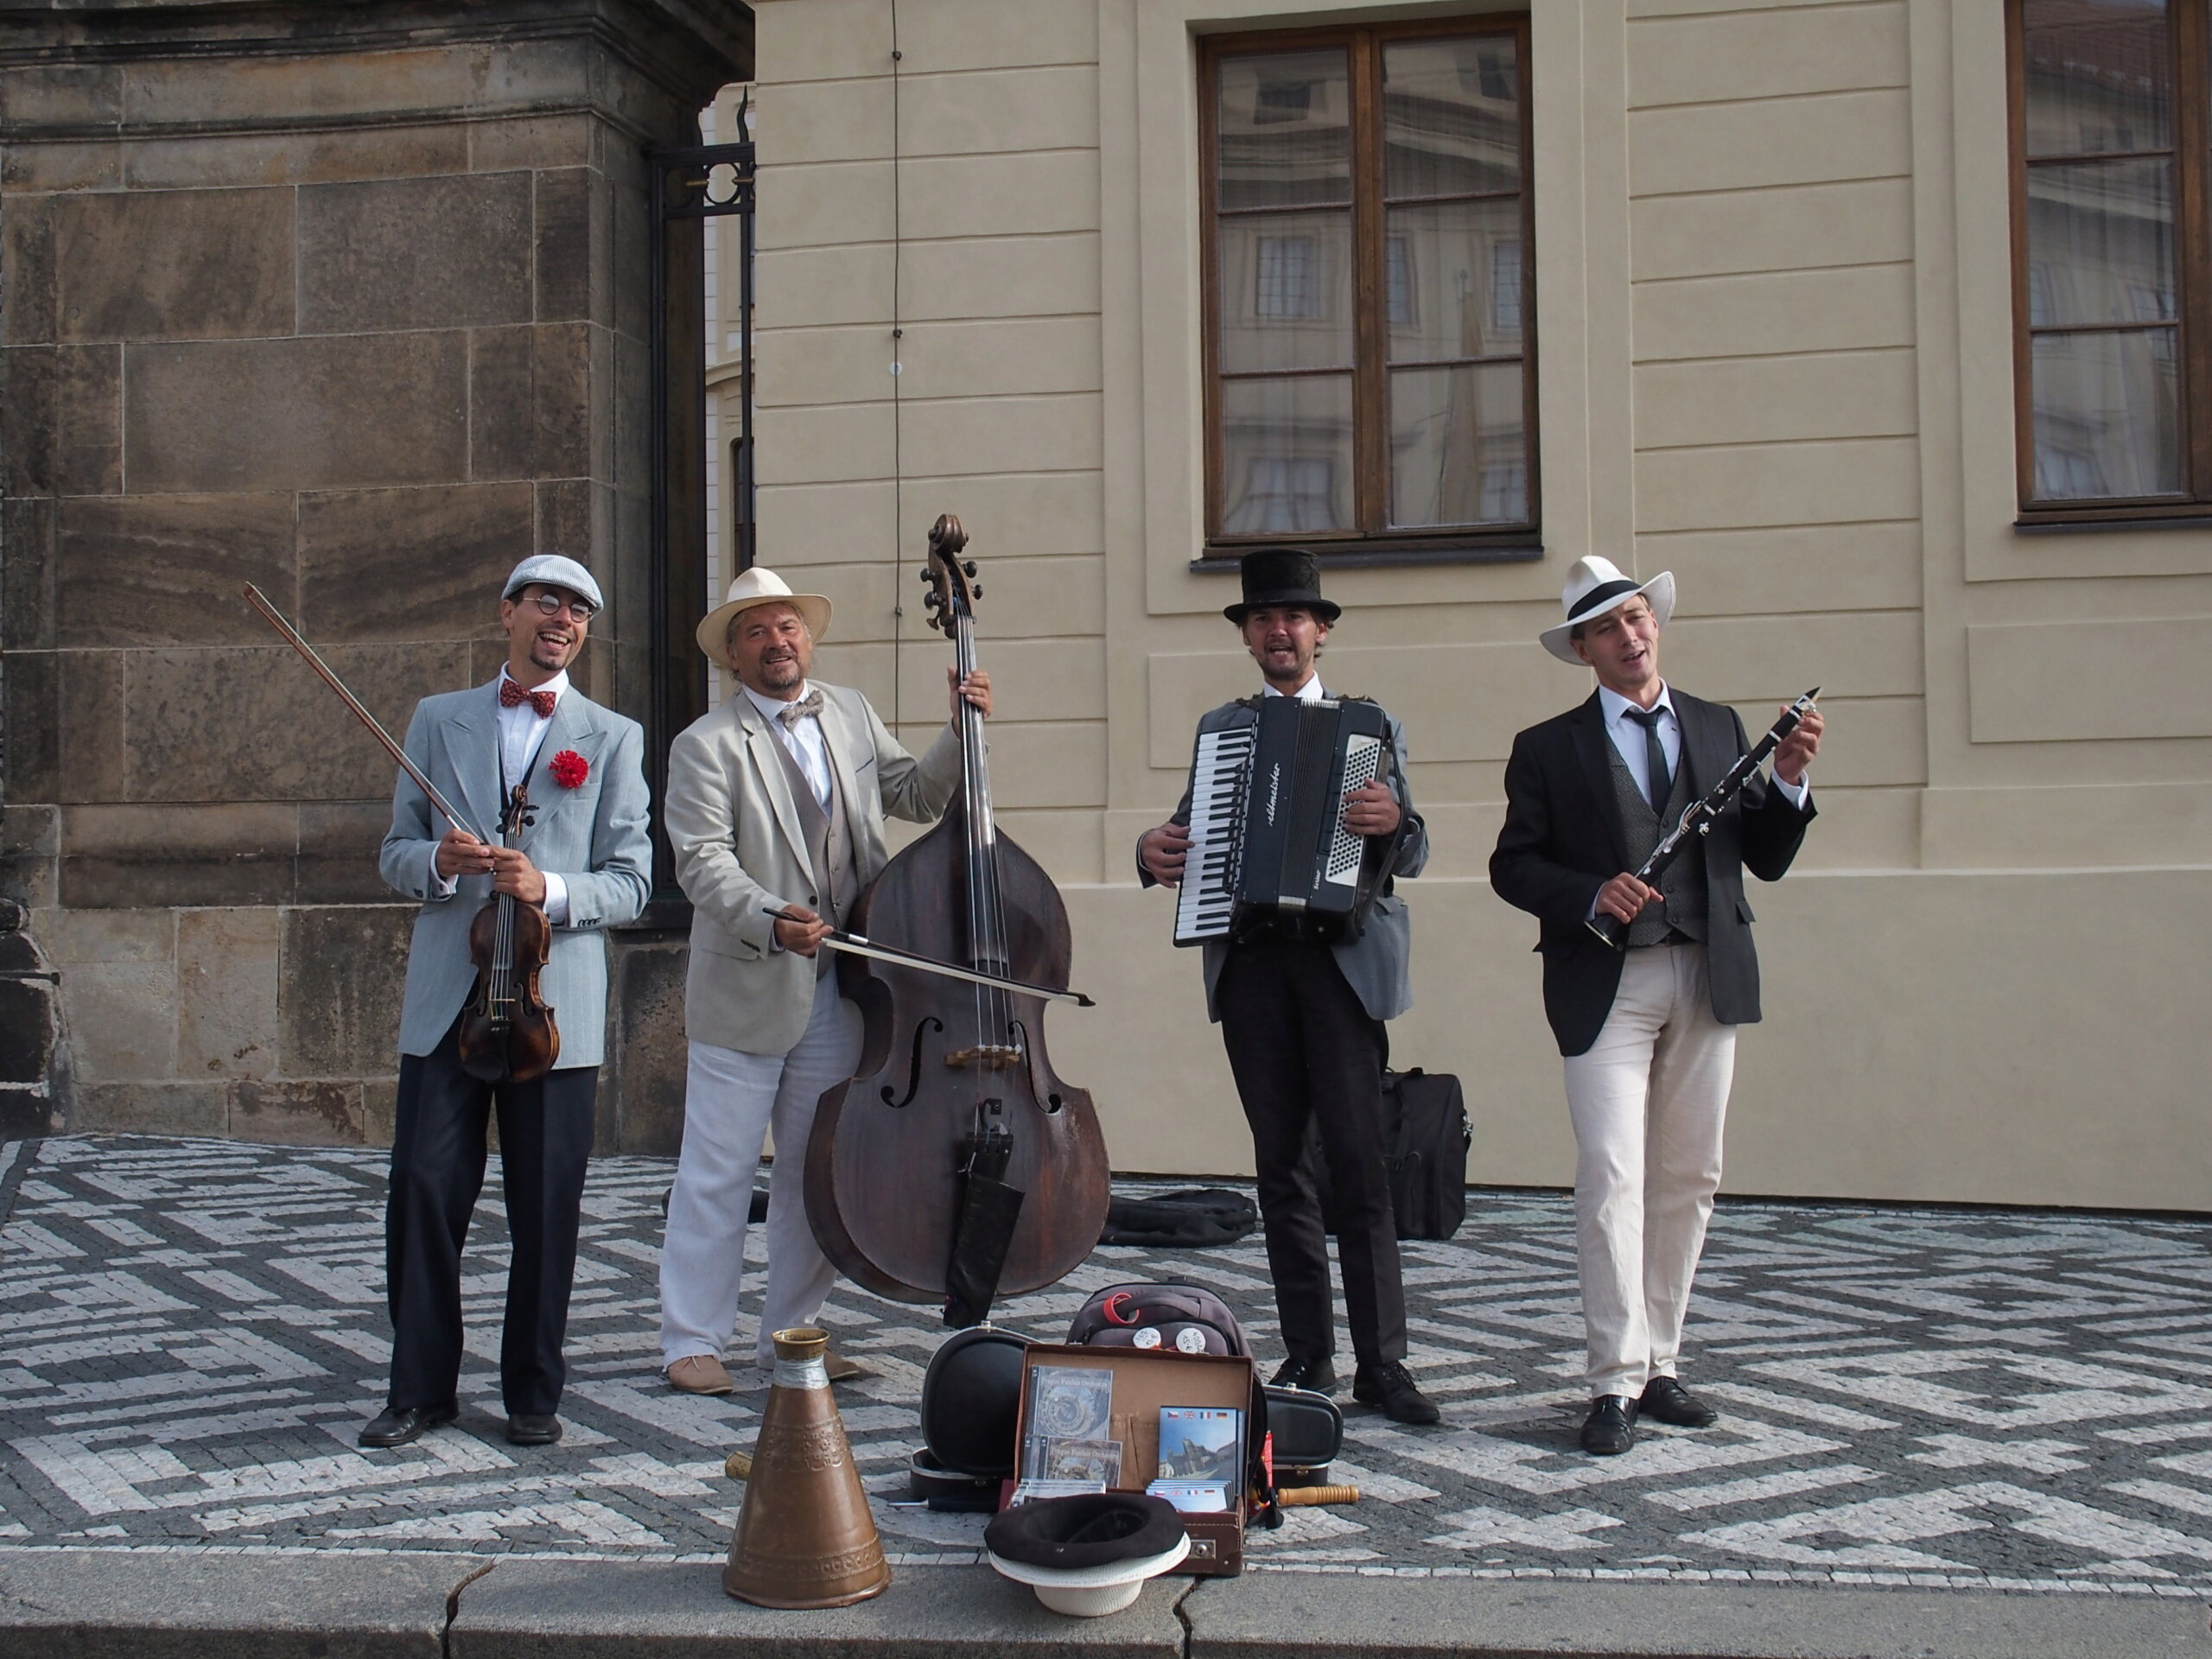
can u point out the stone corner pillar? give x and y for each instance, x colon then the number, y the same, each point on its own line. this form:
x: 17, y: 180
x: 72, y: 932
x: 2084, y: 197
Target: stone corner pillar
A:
x: 350, y: 301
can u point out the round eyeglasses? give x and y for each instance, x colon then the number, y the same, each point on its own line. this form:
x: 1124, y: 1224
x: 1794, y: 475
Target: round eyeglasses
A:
x: 552, y: 604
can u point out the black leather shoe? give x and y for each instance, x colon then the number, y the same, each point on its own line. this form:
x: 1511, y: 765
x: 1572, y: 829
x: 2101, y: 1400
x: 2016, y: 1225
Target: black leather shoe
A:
x: 533, y: 1428
x: 1610, y: 1429
x: 1390, y: 1388
x: 396, y: 1425
x: 1319, y: 1375
x: 1669, y: 1402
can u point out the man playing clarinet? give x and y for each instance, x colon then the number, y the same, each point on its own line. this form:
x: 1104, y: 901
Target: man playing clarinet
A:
x: 585, y: 861
x: 1648, y: 1031
x: 1303, y: 1022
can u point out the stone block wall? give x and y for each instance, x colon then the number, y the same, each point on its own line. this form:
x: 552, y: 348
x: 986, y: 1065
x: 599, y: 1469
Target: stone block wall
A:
x: 351, y: 303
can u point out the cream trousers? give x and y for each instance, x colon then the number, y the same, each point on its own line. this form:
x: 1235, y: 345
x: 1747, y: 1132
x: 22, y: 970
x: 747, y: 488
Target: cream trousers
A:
x: 1648, y: 1102
x: 731, y: 1099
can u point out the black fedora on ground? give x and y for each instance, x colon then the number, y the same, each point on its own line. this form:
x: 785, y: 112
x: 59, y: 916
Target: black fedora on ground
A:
x: 1280, y: 575
x: 1089, y: 1529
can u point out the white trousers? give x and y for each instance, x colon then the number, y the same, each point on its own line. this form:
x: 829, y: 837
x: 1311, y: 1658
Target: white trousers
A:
x: 730, y: 1101
x: 1648, y: 1102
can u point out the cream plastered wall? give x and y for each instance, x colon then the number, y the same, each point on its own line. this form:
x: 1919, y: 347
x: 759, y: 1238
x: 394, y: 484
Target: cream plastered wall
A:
x: 1774, y: 359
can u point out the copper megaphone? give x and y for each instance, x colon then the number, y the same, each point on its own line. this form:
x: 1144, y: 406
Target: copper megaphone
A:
x: 805, y: 1537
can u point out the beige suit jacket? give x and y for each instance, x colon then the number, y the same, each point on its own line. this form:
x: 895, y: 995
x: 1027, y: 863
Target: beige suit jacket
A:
x: 741, y: 852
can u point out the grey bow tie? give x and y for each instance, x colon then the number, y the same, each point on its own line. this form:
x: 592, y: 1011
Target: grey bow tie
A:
x: 791, y: 713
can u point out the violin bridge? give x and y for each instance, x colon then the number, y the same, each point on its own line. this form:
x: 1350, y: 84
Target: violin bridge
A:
x: 990, y: 1057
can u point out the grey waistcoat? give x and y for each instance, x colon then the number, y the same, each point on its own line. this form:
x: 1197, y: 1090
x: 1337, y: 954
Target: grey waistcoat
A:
x: 1682, y: 883
x: 828, y: 847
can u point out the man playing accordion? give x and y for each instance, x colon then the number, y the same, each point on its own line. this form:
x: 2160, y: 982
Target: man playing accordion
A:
x: 1301, y: 1017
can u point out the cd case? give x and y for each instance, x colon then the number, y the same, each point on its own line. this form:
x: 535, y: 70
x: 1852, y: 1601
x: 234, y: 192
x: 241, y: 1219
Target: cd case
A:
x: 1200, y: 1443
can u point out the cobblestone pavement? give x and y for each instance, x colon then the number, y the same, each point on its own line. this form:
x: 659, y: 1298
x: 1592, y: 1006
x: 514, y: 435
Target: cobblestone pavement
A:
x: 191, y: 1333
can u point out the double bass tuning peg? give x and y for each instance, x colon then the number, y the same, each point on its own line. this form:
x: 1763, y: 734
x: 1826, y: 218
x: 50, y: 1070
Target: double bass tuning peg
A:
x: 969, y: 566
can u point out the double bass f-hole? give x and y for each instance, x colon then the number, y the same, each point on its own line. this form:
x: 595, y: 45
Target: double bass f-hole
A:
x: 928, y: 1027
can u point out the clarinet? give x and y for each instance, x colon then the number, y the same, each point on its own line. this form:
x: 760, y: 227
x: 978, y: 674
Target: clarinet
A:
x: 1698, y: 817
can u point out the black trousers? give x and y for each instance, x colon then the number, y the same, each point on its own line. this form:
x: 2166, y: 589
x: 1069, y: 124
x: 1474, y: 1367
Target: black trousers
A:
x: 1302, y: 1047
x: 437, y: 1169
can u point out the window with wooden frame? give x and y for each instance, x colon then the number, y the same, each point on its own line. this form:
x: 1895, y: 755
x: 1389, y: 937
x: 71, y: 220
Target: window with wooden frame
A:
x: 2112, y: 270
x: 1371, y: 299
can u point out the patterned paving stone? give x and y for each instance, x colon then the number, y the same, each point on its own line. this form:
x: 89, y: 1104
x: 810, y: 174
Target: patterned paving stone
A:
x: 191, y: 1333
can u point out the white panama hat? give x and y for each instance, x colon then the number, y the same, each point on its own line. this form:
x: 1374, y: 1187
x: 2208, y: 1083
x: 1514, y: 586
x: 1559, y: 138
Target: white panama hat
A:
x: 758, y: 586
x: 1595, y: 586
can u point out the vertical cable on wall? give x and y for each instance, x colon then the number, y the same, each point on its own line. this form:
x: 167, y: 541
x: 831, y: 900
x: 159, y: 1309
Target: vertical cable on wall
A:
x: 898, y: 470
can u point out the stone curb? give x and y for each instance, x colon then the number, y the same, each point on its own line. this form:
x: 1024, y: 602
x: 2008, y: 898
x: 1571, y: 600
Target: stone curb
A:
x: 89, y: 1604
x: 120, y: 1604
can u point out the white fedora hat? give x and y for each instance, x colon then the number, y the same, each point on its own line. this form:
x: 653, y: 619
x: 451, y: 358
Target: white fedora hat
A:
x: 1595, y: 586
x: 758, y: 586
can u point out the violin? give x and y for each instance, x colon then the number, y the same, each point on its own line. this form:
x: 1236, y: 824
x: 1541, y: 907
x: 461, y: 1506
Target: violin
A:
x: 507, y: 1033
x: 955, y: 1094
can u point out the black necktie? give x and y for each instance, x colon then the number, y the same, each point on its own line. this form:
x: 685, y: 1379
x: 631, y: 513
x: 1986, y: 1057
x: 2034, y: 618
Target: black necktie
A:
x: 1655, y: 756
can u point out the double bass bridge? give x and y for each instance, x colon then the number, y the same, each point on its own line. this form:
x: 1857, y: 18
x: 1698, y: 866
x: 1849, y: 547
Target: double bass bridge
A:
x: 986, y: 1056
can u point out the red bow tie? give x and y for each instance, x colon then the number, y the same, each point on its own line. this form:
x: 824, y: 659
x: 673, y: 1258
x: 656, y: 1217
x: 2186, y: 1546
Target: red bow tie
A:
x: 513, y: 696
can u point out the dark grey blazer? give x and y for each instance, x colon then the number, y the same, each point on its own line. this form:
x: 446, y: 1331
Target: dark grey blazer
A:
x: 1378, y: 964
x: 1562, y: 841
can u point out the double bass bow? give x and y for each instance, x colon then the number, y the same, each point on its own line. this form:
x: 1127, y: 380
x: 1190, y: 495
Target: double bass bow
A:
x: 956, y: 1165
x: 507, y: 1033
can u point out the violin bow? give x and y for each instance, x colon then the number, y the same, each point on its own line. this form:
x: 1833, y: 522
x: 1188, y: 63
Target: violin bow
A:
x: 855, y: 944
x: 259, y: 600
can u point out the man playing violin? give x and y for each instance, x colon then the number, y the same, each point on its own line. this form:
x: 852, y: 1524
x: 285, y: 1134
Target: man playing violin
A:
x: 775, y: 811
x: 585, y: 859
x: 1302, y: 1021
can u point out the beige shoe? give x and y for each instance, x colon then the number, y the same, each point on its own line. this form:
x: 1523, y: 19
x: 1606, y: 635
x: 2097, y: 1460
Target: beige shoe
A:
x: 699, y: 1374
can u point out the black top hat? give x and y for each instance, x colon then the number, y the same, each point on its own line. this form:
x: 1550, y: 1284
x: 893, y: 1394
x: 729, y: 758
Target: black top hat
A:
x: 1089, y: 1529
x: 1282, y: 576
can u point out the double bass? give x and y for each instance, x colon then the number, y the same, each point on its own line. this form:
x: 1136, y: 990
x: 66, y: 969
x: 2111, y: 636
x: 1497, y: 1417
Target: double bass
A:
x: 956, y: 1164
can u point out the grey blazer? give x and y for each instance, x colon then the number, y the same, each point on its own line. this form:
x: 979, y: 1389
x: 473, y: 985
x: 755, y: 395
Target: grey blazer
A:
x: 1378, y: 964
x: 740, y: 852
x: 592, y: 837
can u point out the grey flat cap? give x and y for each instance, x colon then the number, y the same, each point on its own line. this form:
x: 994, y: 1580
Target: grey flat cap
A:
x: 553, y: 570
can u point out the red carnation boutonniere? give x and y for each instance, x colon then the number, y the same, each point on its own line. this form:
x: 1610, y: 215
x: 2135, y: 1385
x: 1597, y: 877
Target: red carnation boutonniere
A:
x: 570, y: 769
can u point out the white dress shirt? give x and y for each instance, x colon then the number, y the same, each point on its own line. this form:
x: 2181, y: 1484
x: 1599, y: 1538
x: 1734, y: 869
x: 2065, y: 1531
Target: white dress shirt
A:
x: 1309, y: 692
x: 803, y: 738
x: 521, y: 734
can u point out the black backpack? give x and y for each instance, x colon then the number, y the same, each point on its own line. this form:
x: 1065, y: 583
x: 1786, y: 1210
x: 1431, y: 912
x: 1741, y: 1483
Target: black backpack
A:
x: 1425, y: 1137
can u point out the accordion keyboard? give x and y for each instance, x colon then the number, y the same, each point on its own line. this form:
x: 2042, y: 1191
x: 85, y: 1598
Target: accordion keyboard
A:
x: 1207, y: 901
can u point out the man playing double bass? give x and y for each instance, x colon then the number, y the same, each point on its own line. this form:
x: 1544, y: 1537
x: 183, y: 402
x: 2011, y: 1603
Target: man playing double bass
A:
x: 775, y: 810
x: 586, y: 860
x: 1303, y: 1024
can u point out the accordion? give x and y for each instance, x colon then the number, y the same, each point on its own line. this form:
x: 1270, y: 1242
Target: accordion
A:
x: 1268, y: 845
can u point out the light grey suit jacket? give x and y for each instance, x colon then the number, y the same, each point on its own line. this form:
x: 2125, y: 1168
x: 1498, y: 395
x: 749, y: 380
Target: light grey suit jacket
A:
x: 1378, y: 964
x: 592, y: 837
x: 741, y: 852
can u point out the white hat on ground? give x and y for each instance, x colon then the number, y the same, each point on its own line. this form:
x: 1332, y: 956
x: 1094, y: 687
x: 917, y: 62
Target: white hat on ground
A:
x: 758, y: 586
x: 1595, y: 586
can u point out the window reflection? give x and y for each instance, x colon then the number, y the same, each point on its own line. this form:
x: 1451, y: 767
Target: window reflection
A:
x: 1438, y: 421
x: 2101, y: 289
